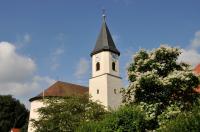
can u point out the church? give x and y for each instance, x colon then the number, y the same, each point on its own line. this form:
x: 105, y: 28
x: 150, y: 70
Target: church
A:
x: 104, y: 84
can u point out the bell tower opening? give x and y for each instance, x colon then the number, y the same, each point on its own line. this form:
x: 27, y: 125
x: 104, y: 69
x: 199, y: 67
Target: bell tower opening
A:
x: 113, y: 66
x: 97, y: 66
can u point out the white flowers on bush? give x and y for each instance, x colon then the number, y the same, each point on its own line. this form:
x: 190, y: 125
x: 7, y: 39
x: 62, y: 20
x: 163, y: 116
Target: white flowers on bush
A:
x: 159, y: 84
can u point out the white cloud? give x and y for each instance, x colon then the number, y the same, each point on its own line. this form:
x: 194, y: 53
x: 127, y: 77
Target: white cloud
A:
x: 58, y: 52
x: 27, y: 38
x: 55, y: 58
x: 61, y: 38
x: 195, y: 43
x: 26, y: 90
x: 17, y: 76
x: 14, y: 67
x: 32, y: 87
x: 191, y: 54
x: 23, y: 40
x: 82, y: 68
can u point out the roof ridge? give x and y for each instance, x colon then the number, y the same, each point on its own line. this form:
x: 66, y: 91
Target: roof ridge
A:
x: 61, y: 88
x: 72, y: 83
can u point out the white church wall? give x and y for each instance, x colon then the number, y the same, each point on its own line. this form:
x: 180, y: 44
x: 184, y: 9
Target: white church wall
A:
x: 35, y: 105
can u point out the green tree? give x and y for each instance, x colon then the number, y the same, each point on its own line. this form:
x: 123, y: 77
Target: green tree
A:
x: 125, y: 119
x: 67, y: 113
x: 160, y: 85
x: 184, y: 122
x: 12, y: 113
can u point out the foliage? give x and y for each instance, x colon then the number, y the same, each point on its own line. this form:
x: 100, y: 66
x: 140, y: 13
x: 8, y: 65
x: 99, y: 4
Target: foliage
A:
x: 184, y: 122
x: 160, y: 85
x: 169, y: 113
x: 24, y: 128
x: 91, y: 126
x: 12, y: 113
x: 151, y: 111
x: 66, y: 114
x: 125, y: 119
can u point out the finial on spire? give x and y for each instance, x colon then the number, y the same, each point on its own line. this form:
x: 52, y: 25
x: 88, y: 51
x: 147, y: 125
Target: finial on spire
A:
x: 104, y: 14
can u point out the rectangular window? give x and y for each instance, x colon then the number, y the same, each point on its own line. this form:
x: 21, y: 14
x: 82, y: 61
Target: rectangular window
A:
x: 115, y: 91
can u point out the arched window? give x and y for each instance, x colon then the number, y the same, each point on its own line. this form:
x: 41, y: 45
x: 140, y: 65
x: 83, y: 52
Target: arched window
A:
x: 113, y: 66
x: 97, y: 66
x: 97, y: 91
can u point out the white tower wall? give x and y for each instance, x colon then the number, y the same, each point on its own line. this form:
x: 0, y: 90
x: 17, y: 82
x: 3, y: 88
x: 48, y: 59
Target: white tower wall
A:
x: 105, y: 59
x: 105, y: 84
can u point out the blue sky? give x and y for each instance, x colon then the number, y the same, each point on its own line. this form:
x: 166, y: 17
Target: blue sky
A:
x: 52, y: 39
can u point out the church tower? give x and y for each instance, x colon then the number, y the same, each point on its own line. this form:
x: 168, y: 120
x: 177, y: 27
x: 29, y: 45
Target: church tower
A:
x: 105, y: 83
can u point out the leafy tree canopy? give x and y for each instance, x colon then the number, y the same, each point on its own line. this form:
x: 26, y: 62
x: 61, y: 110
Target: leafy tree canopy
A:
x: 184, y: 122
x: 125, y: 119
x: 66, y: 114
x: 160, y: 85
x: 12, y: 113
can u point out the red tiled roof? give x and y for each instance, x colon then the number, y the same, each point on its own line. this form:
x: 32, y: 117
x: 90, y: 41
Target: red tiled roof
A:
x: 197, y: 89
x: 62, y: 89
x: 197, y: 71
x: 15, y: 130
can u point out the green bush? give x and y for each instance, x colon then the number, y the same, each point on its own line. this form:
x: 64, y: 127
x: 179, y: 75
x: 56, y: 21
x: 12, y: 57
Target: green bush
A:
x: 12, y: 113
x: 125, y: 119
x: 89, y: 127
x: 184, y: 122
x: 62, y: 114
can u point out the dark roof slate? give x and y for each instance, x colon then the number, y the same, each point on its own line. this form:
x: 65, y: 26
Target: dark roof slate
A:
x: 105, y: 41
x: 62, y: 89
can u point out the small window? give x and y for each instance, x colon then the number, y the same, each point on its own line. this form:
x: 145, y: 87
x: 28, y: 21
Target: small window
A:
x: 97, y: 91
x: 113, y: 66
x: 115, y: 91
x: 97, y: 66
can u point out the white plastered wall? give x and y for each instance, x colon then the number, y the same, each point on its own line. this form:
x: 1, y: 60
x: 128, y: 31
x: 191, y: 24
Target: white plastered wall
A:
x: 106, y: 85
x: 35, y: 105
x: 114, y: 99
x: 105, y: 59
x: 105, y: 80
x: 99, y: 83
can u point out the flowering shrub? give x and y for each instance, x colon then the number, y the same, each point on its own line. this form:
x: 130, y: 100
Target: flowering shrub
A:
x: 184, y: 122
x: 160, y: 85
